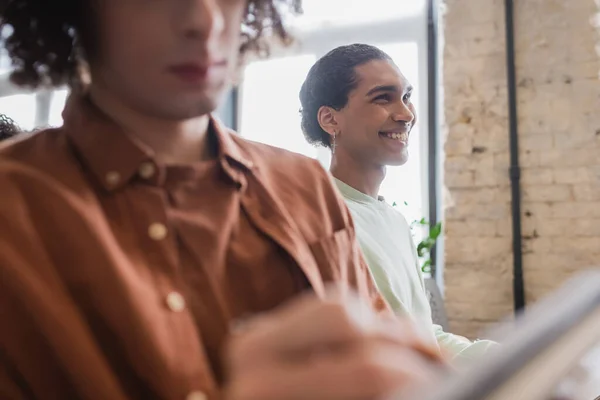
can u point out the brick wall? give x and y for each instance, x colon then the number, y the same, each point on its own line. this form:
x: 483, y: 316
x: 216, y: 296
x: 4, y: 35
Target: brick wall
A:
x: 559, y: 133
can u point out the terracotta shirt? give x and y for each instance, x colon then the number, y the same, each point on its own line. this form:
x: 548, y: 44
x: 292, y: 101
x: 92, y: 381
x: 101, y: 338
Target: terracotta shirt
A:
x: 120, y: 277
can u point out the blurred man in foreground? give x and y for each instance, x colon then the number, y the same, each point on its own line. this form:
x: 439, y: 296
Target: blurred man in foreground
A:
x: 136, y: 235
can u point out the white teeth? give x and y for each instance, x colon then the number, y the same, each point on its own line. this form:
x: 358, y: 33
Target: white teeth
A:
x: 398, y: 136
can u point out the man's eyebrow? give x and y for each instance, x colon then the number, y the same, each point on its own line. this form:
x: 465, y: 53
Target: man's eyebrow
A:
x: 387, y: 88
x: 382, y: 88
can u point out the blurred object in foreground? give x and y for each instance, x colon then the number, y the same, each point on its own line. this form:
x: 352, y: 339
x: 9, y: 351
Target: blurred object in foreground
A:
x: 551, y: 352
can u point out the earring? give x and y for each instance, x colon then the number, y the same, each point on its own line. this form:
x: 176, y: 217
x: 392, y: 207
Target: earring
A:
x: 333, y: 142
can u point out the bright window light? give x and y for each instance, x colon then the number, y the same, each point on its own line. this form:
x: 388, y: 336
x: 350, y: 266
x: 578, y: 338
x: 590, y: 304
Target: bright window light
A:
x: 20, y: 108
x: 356, y: 12
x: 56, y: 107
x: 404, y: 184
x: 270, y: 104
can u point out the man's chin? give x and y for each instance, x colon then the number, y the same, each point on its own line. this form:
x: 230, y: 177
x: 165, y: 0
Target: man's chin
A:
x: 397, y: 161
x: 194, y: 103
x: 184, y: 108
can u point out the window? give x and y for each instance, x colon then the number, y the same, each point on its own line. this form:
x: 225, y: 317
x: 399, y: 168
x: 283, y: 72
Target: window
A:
x: 270, y: 103
x: 356, y: 12
x: 56, y: 107
x: 29, y: 110
x: 21, y: 108
x: 4, y: 61
x: 404, y: 185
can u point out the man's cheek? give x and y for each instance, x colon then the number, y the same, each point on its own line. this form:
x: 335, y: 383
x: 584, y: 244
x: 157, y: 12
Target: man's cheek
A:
x: 414, y: 113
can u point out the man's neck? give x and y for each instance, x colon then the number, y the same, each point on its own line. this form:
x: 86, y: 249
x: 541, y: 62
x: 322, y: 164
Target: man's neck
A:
x: 173, y: 142
x: 366, y: 178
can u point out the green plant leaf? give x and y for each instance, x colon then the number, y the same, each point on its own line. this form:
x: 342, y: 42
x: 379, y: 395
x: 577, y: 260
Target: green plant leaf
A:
x: 423, y: 221
x: 405, y: 203
x: 421, y: 247
x: 426, y: 268
x: 435, y: 231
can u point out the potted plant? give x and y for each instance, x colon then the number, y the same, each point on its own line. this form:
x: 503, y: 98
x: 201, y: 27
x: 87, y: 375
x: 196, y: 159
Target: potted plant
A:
x: 425, y: 246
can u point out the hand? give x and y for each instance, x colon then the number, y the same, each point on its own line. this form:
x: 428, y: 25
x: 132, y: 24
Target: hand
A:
x: 334, y: 349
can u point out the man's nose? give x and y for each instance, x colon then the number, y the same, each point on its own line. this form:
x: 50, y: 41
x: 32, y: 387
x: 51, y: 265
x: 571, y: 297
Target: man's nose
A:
x: 202, y: 19
x: 403, y: 113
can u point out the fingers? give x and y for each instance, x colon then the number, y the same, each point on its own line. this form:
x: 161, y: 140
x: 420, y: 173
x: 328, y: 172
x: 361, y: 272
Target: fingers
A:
x: 308, y: 323
x: 407, y: 333
x: 303, y: 324
x: 367, y: 372
x: 336, y: 348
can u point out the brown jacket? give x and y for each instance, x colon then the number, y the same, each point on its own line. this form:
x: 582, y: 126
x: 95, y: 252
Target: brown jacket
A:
x: 119, y: 276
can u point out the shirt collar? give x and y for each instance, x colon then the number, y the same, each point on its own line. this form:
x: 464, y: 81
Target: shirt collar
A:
x: 228, y: 147
x: 353, y: 194
x: 115, y: 157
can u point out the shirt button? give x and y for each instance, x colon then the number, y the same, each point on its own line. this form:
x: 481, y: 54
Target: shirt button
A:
x: 197, y: 396
x: 147, y: 170
x: 113, y: 178
x: 175, y: 302
x: 157, y: 231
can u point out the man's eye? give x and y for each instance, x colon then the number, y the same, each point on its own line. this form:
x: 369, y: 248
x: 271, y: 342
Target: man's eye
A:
x: 382, y: 98
x: 407, y: 97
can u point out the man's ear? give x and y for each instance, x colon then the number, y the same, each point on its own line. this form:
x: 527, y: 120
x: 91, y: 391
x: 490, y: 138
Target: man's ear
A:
x: 327, y: 119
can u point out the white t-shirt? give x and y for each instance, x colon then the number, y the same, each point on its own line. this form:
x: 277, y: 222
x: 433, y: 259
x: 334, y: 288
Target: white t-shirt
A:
x: 386, y: 241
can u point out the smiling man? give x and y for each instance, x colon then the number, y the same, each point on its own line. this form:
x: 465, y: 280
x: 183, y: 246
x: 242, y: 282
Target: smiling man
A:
x: 135, y: 236
x: 356, y: 101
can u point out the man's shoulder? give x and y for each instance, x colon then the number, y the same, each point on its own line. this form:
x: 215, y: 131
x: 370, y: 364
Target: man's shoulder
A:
x: 301, y: 184
x: 38, y: 148
x: 271, y: 160
x: 396, y: 212
x: 39, y: 162
x: 268, y: 152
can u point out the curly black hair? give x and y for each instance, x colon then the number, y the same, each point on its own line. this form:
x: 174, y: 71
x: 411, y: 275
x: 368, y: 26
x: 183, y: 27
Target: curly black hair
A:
x: 40, y: 35
x: 8, y: 128
x: 329, y: 82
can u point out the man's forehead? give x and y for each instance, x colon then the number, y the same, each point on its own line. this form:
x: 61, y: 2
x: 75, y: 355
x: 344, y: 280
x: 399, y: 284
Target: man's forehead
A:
x: 380, y: 73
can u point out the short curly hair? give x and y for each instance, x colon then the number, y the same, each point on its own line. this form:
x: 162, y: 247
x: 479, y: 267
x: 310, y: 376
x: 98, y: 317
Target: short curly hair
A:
x: 8, y: 128
x: 329, y: 82
x: 41, y: 35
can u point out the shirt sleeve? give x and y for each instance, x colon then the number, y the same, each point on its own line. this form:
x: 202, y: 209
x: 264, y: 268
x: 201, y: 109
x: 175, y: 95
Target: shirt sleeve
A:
x: 458, y: 347
x: 42, y: 330
x: 20, y: 289
x: 9, y: 386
